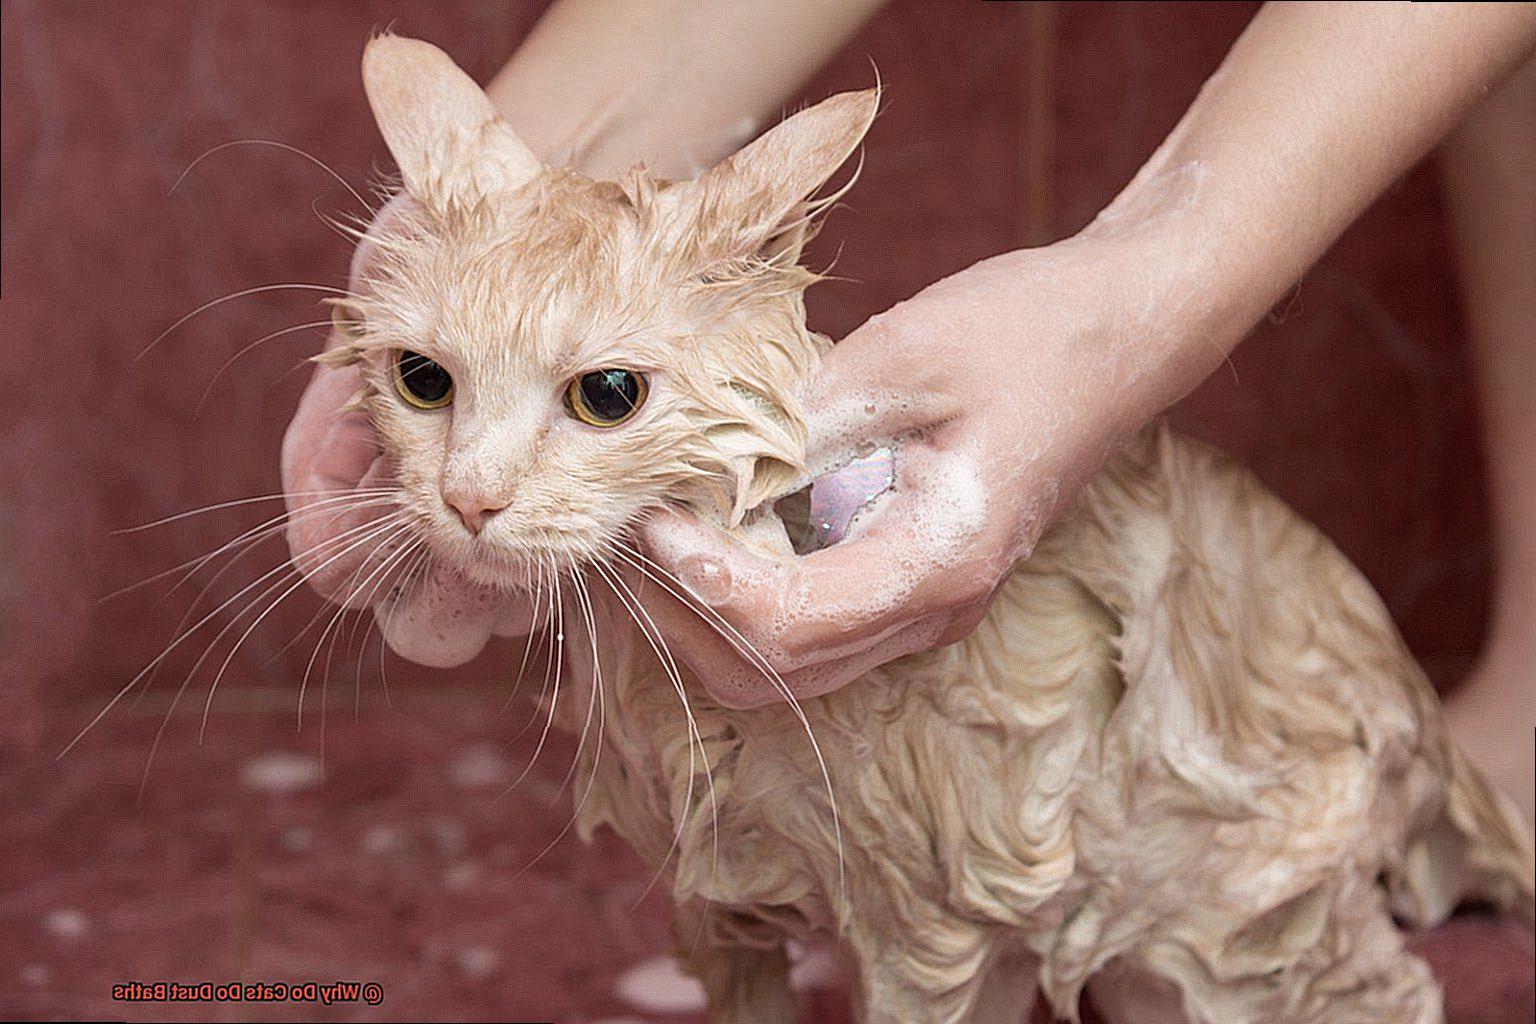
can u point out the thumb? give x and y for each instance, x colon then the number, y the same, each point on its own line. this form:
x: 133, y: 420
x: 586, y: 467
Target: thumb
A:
x: 871, y: 389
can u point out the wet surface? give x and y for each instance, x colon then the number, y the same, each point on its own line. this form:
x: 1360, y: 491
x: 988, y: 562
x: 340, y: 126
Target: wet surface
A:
x: 397, y: 856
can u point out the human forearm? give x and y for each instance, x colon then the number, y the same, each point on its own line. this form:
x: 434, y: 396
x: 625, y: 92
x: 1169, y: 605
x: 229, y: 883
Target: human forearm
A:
x: 1316, y: 110
x: 679, y: 85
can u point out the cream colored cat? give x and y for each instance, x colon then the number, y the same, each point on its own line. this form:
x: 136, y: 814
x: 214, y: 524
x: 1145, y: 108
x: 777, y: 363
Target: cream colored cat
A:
x: 1186, y: 737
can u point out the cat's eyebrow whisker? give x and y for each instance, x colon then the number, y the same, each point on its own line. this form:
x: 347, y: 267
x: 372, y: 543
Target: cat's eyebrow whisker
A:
x: 273, y: 336
x: 285, y: 147
x: 285, y: 568
x: 658, y: 645
x: 744, y: 647
x: 257, y: 290
x: 352, y: 229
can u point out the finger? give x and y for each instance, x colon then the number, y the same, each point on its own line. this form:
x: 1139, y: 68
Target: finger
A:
x: 440, y: 619
x: 872, y: 388
x: 920, y: 552
x: 308, y: 457
x: 738, y: 678
x: 320, y: 530
x: 743, y: 667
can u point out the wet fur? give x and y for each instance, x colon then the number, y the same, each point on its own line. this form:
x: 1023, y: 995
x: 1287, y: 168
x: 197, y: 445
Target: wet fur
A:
x: 1186, y: 737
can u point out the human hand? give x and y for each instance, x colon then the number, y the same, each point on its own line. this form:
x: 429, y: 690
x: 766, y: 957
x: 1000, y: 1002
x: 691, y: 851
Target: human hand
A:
x: 1008, y: 383
x: 1001, y: 390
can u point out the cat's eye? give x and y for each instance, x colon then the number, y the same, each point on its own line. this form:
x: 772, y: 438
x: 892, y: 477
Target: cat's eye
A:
x: 422, y: 382
x: 606, y: 398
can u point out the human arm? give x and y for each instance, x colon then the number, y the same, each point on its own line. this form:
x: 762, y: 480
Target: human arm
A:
x: 1006, y: 385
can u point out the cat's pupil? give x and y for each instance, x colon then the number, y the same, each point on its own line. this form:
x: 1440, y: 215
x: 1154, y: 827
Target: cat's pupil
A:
x: 424, y: 378
x: 610, y: 394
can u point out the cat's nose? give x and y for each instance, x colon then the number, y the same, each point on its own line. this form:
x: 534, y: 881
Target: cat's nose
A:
x: 473, y: 509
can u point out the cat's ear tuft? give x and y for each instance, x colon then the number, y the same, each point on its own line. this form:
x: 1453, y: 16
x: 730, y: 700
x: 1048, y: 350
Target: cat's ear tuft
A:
x: 439, y: 125
x: 755, y: 190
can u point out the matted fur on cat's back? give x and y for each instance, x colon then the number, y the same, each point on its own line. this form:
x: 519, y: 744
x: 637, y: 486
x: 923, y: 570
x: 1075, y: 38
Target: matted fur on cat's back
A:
x: 1185, y: 737
x: 1187, y: 734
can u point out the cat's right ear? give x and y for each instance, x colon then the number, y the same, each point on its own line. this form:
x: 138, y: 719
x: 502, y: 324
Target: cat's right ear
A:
x: 747, y: 198
x: 439, y: 126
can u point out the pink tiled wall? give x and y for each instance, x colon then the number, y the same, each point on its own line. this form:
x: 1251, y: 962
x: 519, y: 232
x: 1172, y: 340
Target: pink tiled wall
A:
x: 1353, y: 402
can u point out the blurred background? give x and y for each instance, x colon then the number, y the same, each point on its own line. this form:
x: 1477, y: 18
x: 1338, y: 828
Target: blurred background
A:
x: 377, y: 842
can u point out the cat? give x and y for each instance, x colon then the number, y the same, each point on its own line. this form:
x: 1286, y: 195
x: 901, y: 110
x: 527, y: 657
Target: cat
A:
x: 1186, y: 738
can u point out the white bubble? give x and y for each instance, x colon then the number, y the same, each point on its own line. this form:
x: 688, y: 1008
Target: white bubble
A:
x: 461, y: 877
x: 66, y: 923
x: 298, y: 839
x: 382, y: 839
x: 282, y: 771
x: 659, y: 985
x: 478, y: 961
x: 479, y: 767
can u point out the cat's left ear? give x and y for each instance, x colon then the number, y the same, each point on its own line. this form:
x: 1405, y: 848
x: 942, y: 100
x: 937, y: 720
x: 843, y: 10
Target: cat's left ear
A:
x: 751, y: 194
x: 439, y: 125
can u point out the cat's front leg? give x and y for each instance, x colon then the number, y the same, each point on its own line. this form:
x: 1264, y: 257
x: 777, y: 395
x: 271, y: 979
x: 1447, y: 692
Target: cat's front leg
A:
x: 742, y: 965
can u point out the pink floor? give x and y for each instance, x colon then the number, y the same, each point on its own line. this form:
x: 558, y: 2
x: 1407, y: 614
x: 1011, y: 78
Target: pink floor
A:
x: 399, y: 858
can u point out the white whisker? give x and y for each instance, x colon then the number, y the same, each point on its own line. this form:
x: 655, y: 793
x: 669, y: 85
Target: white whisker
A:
x: 554, y: 699
x: 203, y: 399
x: 299, y: 286
x: 287, y: 570
x: 284, y: 568
x: 663, y: 654
x: 285, y: 147
x: 744, y: 647
x: 390, y: 534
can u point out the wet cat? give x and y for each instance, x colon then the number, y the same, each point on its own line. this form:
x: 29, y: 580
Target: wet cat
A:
x: 1186, y: 737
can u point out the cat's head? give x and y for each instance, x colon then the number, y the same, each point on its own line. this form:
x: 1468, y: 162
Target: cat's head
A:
x: 547, y: 357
